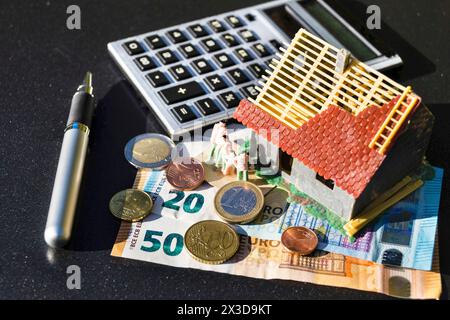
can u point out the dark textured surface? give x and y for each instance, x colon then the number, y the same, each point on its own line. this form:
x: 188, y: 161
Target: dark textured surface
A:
x: 42, y: 63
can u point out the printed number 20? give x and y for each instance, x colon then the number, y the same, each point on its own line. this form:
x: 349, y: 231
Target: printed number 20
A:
x: 192, y: 204
x: 150, y: 236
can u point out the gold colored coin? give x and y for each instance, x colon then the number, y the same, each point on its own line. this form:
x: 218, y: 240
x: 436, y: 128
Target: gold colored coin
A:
x: 239, y: 202
x: 131, y: 205
x: 150, y: 150
x: 211, y: 242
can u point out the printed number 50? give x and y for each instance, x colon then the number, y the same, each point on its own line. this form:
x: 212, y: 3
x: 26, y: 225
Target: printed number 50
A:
x: 150, y: 236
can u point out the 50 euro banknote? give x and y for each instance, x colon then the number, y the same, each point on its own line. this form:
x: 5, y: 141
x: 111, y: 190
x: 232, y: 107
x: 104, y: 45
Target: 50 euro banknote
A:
x: 159, y: 239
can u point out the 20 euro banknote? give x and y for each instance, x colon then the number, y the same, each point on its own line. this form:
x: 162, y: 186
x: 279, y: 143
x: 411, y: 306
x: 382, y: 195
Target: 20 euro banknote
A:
x: 159, y: 239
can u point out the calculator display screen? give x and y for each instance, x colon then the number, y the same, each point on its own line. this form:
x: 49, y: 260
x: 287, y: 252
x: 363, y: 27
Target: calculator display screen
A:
x: 284, y: 20
x: 339, y: 30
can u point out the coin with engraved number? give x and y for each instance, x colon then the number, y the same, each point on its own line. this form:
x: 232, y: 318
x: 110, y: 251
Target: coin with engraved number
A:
x: 300, y: 240
x: 187, y: 174
x: 149, y: 150
x: 239, y: 202
x: 131, y: 205
x: 211, y: 242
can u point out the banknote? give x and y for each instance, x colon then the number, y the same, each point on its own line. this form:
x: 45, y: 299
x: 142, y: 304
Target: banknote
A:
x: 403, y: 236
x: 159, y: 239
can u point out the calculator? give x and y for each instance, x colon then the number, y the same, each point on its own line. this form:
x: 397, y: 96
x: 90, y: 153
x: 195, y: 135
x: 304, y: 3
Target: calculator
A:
x: 194, y: 74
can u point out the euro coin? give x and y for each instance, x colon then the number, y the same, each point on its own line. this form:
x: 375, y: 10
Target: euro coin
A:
x: 239, y: 202
x: 131, y: 205
x: 149, y: 150
x: 211, y: 242
x: 186, y: 175
x: 300, y: 240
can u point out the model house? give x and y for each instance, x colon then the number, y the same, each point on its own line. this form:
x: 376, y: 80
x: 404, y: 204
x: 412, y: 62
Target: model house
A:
x: 346, y: 133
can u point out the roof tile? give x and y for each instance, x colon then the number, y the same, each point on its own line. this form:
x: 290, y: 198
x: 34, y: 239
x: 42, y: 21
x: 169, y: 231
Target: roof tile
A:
x: 334, y: 143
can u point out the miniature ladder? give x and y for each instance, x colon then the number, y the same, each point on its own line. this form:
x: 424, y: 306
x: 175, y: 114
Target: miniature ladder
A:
x: 393, y: 123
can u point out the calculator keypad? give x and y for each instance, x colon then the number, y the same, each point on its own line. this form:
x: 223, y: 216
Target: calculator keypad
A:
x: 238, y: 76
x: 198, y: 31
x: 202, y: 70
x: 133, y: 48
x: 177, y: 36
x: 234, y: 21
x: 157, y: 79
x: 216, y: 82
x: 247, y: 35
x: 230, y: 40
x: 145, y: 63
x: 155, y: 42
x: 180, y: 72
x: 189, y: 51
x: 211, y: 45
x: 184, y: 113
x: 207, y: 106
x: 182, y: 92
x: 202, y: 66
x: 243, y: 55
x: 167, y: 56
x: 229, y: 99
x: 216, y: 25
x: 223, y: 60
x: 260, y: 50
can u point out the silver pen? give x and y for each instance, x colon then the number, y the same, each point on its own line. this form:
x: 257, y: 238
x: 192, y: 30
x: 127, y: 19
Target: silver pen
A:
x: 64, y: 199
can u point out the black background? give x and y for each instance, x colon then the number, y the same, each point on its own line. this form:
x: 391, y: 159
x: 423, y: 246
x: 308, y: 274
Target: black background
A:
x: 42, y: 62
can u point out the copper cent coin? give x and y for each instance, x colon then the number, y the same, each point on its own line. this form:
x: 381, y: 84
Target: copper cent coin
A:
x: 300, y: 240
x: 186, y: 175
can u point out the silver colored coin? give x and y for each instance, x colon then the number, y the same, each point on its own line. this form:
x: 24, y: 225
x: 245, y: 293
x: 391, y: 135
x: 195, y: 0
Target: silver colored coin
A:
x: 149, y: 151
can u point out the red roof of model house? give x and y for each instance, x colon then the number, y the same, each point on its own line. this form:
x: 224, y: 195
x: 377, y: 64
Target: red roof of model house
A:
x: 334, y: 143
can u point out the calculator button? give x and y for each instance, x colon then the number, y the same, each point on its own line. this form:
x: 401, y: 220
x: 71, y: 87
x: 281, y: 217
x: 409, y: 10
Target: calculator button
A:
x: 238, y: 76
x: 145, y: 63
x: 250, y: 91
x: 167, y: 56
x: 260, y: 50
x: 211, y: 45
x: 230, y: 40
x: 216, y: 25
x: 133, y: 47
x: 216, y: 83
x: 184, y: 113
x: 176, y: 36
x: 224, y: 60
x: 182, y: 92
x: 180, y: 72
x: 198, y: 31
x: 155, y: 42
x: 234, y: 21
x: 243, y: 55
x: 202, y: 66
x: 189, y: 51
x: 229, y: 99
x: 257, y: 70
x: 157, y: 79
x: 247, y: 35
x: 250, y: 17
x: 276, y: 44
x: 207, y: 106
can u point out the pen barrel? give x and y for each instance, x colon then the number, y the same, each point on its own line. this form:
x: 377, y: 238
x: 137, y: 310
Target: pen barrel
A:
x: 67, y: 185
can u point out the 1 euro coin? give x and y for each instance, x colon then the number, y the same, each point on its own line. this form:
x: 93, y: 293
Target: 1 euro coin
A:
x: 239, y: 202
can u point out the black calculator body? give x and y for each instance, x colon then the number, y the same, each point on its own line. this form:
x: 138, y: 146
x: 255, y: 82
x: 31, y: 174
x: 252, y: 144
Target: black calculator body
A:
x: 194, y: 74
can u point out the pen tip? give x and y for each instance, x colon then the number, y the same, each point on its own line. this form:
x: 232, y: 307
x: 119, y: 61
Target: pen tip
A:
x: 87, y: 83
x: 88, y: 79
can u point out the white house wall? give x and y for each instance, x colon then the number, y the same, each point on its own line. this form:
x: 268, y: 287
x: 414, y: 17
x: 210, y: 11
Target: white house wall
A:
x: 336, y: 199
